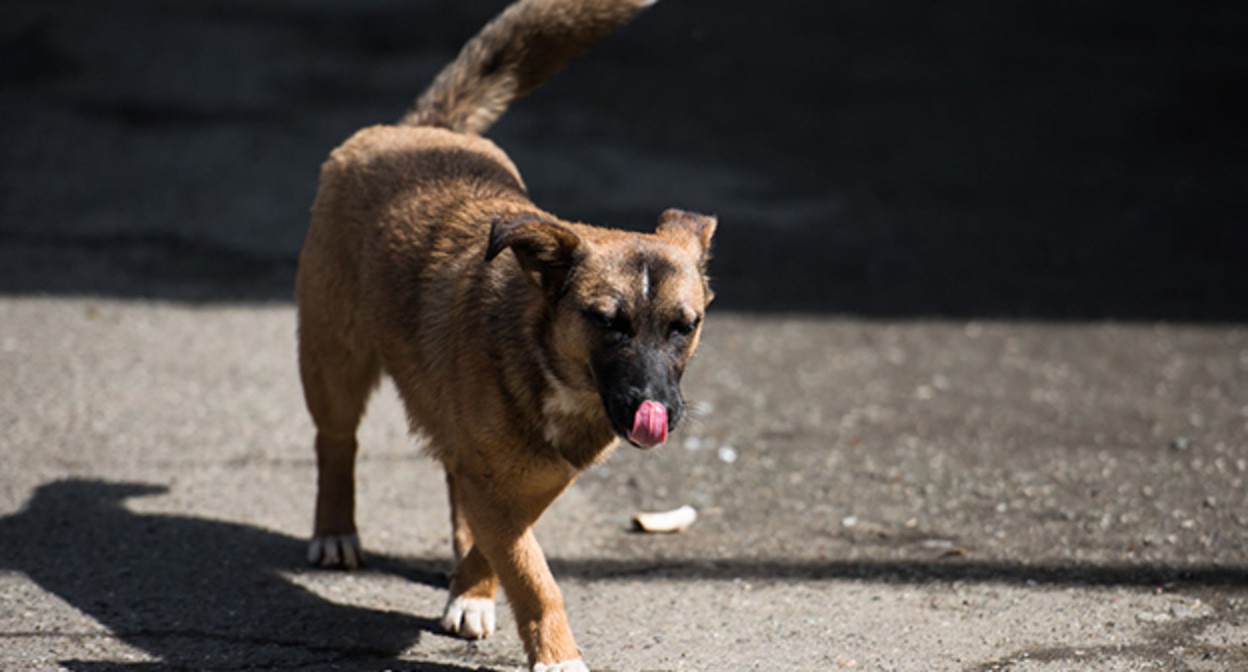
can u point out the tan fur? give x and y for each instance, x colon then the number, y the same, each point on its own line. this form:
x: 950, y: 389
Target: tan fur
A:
x: 491, y: 357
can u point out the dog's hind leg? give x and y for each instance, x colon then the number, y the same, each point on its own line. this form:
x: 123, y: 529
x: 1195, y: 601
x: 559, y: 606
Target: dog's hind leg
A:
x: 461, y: 533
x: 337, y: 382
x: 470, y: 609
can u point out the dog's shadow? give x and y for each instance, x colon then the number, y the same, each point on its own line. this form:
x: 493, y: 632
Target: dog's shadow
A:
x: 197, y: 594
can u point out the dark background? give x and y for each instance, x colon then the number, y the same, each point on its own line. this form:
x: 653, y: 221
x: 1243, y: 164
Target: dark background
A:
x: 1049, y: 160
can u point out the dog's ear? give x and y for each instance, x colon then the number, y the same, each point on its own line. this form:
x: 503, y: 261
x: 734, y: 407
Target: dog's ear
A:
x: 544, y: 247
x: 691, y: 229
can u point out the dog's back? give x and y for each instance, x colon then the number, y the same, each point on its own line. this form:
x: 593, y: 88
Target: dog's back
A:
x: 436, y: 148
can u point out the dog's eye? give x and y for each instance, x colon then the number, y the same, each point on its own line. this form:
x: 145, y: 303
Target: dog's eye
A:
x: 616, y: 324
x: 685, y: 328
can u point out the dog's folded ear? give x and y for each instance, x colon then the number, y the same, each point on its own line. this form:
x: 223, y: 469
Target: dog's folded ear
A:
x: 544, y: 247
x: 691, y: 229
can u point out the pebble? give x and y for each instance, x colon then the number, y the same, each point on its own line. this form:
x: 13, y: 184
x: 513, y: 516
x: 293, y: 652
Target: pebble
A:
x: 727, y: 454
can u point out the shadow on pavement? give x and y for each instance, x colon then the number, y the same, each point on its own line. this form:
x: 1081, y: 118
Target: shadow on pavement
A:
x: 208, y: 594
x: 198, y: 594
x: 906, y: 571
x: 1016, y: 160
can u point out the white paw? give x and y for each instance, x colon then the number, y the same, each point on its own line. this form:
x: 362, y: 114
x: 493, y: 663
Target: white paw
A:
x: 469, y: 617
x: 575, y: 665
x: 341, y: 550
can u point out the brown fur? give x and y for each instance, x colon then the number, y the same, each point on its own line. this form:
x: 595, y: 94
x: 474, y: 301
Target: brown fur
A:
x: 512, y: 56
x: 426, y: 260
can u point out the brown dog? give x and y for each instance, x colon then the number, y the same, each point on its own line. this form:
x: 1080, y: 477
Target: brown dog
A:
x: 522, y: 345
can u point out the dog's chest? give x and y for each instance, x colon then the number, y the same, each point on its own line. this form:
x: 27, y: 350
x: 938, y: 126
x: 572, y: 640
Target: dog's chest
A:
x: 574, y: 420
x: 565, y: 411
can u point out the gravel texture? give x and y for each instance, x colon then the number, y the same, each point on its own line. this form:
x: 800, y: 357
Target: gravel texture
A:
x: 909, y: 496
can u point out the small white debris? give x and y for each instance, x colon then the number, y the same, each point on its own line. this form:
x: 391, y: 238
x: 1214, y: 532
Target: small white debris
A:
x: 666, y: 522
x: 1196, y: 609
x: 849, y: 521
x: 727, y: 454
x: 1153, y: 617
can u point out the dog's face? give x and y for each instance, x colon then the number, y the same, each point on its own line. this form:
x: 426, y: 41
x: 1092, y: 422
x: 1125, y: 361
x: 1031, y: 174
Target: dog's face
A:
x: 627, y: 311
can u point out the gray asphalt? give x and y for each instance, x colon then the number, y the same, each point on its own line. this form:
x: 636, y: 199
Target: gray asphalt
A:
x: 973, y: 396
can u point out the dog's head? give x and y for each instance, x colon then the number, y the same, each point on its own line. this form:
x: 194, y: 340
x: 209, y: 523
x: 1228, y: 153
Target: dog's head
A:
x: 626, y: 309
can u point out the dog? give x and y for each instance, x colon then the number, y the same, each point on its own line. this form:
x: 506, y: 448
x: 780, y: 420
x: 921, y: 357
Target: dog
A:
x: 523, y: 346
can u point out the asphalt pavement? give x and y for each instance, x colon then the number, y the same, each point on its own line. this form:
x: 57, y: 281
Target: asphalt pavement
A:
x: 973, y: 394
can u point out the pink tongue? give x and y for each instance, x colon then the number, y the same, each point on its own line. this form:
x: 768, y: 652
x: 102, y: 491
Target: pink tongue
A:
x: 649, y: 425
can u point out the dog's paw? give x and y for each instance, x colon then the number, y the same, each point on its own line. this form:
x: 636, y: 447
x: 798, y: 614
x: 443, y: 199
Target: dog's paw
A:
x: 575, y: 665
x: 336, y: 550
x: 469, y: 617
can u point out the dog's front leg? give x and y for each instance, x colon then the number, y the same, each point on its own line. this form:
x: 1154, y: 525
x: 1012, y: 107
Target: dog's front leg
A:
x: 502, y: 525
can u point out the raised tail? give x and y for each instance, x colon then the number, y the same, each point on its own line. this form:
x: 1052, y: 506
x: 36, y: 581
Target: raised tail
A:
x: 514, y: 54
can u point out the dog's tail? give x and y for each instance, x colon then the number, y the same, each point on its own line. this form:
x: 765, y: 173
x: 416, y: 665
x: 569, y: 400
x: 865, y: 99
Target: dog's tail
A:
x: 517, y: 51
